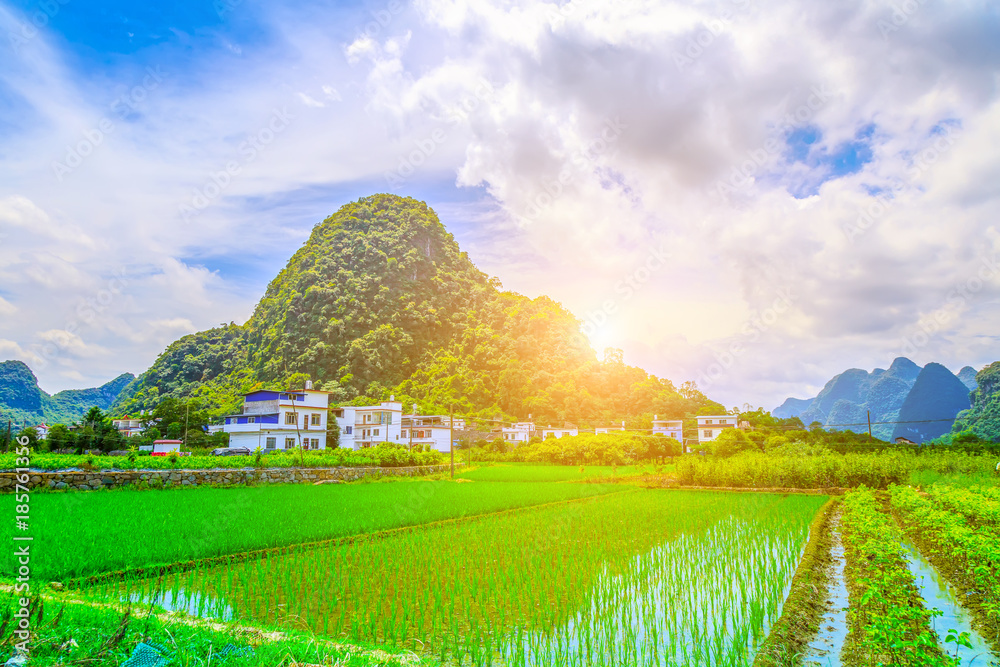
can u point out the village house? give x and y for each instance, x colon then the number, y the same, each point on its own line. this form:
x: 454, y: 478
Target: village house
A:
x: 128, y: 426
x: 280, y: 420
x: 370, y: 425
x: 609, y: 429
x: 710, y: 426
x: 519, y: 432
x: 429, y: 430
x: 672, y: 428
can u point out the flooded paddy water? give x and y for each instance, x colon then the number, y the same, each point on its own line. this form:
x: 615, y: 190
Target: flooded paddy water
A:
x: 649, y: 577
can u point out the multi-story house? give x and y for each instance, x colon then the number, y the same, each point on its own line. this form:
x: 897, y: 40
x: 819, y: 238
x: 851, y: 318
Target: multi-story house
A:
x: 370, y: 425
x: 519, y: 432
x: 281, y: 420
x: 609, y: 429
x: 558, y: 431
x: 128, y: 426
x: 430, y: 430
x: 672, y: 428
x: 710, y: 426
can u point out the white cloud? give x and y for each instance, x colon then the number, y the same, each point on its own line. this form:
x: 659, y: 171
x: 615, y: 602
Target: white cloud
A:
x: 598, y: 130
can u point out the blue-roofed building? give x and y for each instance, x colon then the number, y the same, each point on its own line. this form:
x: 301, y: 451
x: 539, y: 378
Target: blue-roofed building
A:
x: 281, y: 420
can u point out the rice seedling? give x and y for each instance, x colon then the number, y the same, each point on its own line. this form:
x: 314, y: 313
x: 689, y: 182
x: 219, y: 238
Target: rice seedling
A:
x: 639, y: 577
x: 91, y: 533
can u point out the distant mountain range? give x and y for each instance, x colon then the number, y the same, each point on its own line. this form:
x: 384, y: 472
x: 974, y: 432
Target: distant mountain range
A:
x: 926, y: 399
x: 23, y: 401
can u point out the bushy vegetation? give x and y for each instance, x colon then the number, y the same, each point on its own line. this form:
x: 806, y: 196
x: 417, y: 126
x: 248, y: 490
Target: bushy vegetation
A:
x: 605, y: 449
x: 822, y: 469
x: 383, y: 456
x: 67, y: 632
x: 982, y: 420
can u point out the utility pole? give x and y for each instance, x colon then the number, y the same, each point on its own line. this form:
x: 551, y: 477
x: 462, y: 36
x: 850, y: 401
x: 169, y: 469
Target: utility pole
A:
x: 451, y: 437
x: 187, y: 413
x: 10, y: 433
x: 869, y: 423
x: 413, y: 420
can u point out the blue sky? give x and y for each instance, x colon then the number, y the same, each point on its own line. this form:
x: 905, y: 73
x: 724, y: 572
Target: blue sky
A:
x: 840, y: 173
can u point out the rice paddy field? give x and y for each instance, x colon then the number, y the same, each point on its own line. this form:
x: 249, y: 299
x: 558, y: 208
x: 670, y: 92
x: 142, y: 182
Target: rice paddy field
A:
x: 525, y: 566
x: 639, y: 577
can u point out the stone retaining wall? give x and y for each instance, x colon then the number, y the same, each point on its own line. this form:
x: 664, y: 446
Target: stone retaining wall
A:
x: 154, y: 479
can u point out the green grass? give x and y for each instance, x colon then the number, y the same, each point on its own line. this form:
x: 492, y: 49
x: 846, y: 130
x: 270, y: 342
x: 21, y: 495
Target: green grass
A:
x: 85, y: 533
x: 523, y: 472
x: 96, y: 635
x: 635, y: 578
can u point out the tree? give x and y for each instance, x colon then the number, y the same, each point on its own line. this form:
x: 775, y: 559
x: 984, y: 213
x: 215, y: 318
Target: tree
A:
x: 732, y: 441
x: 31, y: 433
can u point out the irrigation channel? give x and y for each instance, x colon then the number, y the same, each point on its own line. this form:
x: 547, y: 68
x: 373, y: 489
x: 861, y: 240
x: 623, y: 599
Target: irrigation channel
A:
x: 825, y: 648
x: 651, y: 577
x: 939, y: 594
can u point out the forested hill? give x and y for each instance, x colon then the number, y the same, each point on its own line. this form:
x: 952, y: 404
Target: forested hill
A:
x: 380, y: 300
x: 984, y: 416
x: 23, y: 402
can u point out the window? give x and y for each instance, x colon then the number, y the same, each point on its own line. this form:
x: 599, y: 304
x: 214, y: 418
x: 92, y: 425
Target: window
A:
x: 348, y: 430
x: 708, y: 421
x: 315, y: 443
x: 251, y: 420
x: 315, y: 420
x: 404, y: 433
x: 376, y: 432
x: 289, y: 443
x: 291, y: 418
x: 708, y: 433
x: 272, y: 443
x: 389, y: 414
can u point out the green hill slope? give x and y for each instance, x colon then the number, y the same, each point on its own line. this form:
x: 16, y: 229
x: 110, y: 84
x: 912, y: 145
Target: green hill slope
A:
x: 23, y: 402
x: 380, y: 300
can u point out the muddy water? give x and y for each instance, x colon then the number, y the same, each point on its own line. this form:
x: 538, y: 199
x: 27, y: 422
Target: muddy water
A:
x: 939, y: 594
x: 824, y: 650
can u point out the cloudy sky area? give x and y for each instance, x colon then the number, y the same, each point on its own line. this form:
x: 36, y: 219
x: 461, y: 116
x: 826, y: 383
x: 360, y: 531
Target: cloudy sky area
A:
x: 754, y: 194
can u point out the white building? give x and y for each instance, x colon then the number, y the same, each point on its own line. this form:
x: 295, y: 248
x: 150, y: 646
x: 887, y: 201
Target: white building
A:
x: 128, y: 426
x: 558, y: 432
x: 710, y: 426
x: 672, y: 428
x: 165, y: 447
x: 431, y: 430
x: 281, y: 420
x: 609, y: 429
x: 370, y: 425
x: 519, y: 432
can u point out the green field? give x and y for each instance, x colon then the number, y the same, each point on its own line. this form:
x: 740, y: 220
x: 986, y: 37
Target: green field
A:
x: 89, y: 533
x: 687, y: 577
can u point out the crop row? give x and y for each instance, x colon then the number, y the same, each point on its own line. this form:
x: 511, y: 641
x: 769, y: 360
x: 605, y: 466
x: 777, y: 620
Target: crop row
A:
x: 975, y: 507
x: 971, y: 553
x: 95, y: 532
x: 648, y: 577
x: 889, y: 623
